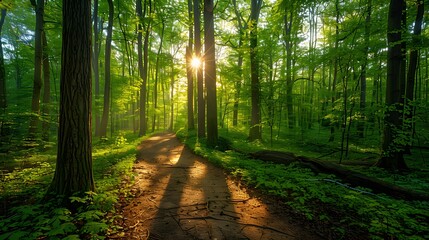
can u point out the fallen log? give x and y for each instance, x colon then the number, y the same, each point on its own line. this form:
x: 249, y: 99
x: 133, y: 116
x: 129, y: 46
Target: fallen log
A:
x: 351, y: 177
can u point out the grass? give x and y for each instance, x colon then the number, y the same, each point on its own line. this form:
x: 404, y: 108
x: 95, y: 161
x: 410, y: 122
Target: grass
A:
x: 338, y: 210
x: 24, y: 188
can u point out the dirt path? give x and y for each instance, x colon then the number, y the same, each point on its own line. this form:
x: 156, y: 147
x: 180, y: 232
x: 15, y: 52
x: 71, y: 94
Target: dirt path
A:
x: 178, y: 195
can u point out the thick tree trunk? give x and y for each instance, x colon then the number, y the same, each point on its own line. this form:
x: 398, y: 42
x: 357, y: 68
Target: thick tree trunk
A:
x: 210, y: 73
x: 3, y: 99
x: 38, y: 59
x: 73, y: 172
x: 46, y: 90
x: 107, y: 75
x: 392, y: 153
x: 255, y: 131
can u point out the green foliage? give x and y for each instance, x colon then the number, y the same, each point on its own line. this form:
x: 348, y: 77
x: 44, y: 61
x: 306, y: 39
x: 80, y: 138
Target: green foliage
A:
x: 89, y: 216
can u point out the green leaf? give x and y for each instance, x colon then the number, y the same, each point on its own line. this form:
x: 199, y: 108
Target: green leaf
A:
x: 94, y: 227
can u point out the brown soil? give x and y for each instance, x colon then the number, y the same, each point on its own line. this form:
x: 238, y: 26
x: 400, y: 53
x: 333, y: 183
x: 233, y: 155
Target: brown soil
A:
x: 178, y: 195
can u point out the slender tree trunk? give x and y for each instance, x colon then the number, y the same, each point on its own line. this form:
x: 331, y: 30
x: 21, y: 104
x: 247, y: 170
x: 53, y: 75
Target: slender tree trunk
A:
x: 200, y: 80
x: 189, y: 74
x: 107, y: 75
x: 288, y: 19
x: 412, y: 69
x: 73, y: 172
x: 335, y: 74
x: 241, y: 29
x: 3, y: 99
x: 46, y: 90
x: 210, y: 73
x: 38, y: 59
x: 143, y: 88
x: 155, y: 88
x: 392, y: 153
x: 362, y: 104
x: 171, y: 125
x: 95, y: 56
x: 255, y: 132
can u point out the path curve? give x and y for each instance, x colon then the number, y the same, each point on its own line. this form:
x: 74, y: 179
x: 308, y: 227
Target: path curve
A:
x: 178, y: 195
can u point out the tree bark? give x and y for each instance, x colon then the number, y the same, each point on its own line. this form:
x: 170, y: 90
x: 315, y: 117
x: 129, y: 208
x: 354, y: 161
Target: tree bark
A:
x: 107, y: 75
x: 255, y: 132
x: 210, y: 73
x: 73, y: 172
x: 392, y: 153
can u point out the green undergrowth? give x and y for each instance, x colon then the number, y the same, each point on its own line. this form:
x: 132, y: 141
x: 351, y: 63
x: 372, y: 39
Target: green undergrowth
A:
x: 337, y: 209
x: 29, y: 217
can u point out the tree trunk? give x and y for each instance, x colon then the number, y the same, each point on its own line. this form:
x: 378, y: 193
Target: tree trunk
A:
x: 255, y: 132
x: 107, y: 75
x: 3, y: 100
x: 241, y: 32
x: 155, y: 88
x: 189, y: 74
x: 335, y: 74
x: 37, y: 81
x: 95, y: 56
x: 200, y: 80
x: 392, y: 153
x: 411, y: 76
x: 46, y: 90
x: 362, y: 103
x: 210, y: 73
x: 73, y: 172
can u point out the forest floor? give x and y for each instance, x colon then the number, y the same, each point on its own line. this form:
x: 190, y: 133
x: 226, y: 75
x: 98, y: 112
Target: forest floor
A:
x: 179, y: 195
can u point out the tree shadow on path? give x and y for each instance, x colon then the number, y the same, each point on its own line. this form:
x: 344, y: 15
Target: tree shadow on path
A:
x: 179, y: 195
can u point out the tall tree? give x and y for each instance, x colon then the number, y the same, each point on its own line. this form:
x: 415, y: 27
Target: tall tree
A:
x: 241, y: 27
x: 200, y: 81
x: 362, y: 104
x: 38, y: 60
x: 255, y: 123
x: 210, y: 73
x: 189, y: 74
x: 46, y: 89
x: 392, y: 153
x: 412, y: 70
x: 107, y: 75
x: 73, y: 172
x: 144, y: 69
x: 3, y: 100
x: 96, y: 53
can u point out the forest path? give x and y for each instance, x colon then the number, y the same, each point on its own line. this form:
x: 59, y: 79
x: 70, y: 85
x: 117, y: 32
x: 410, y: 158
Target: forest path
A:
x: 179, y: 195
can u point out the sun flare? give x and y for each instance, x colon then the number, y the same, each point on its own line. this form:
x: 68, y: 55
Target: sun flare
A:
x: 196, y: 62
